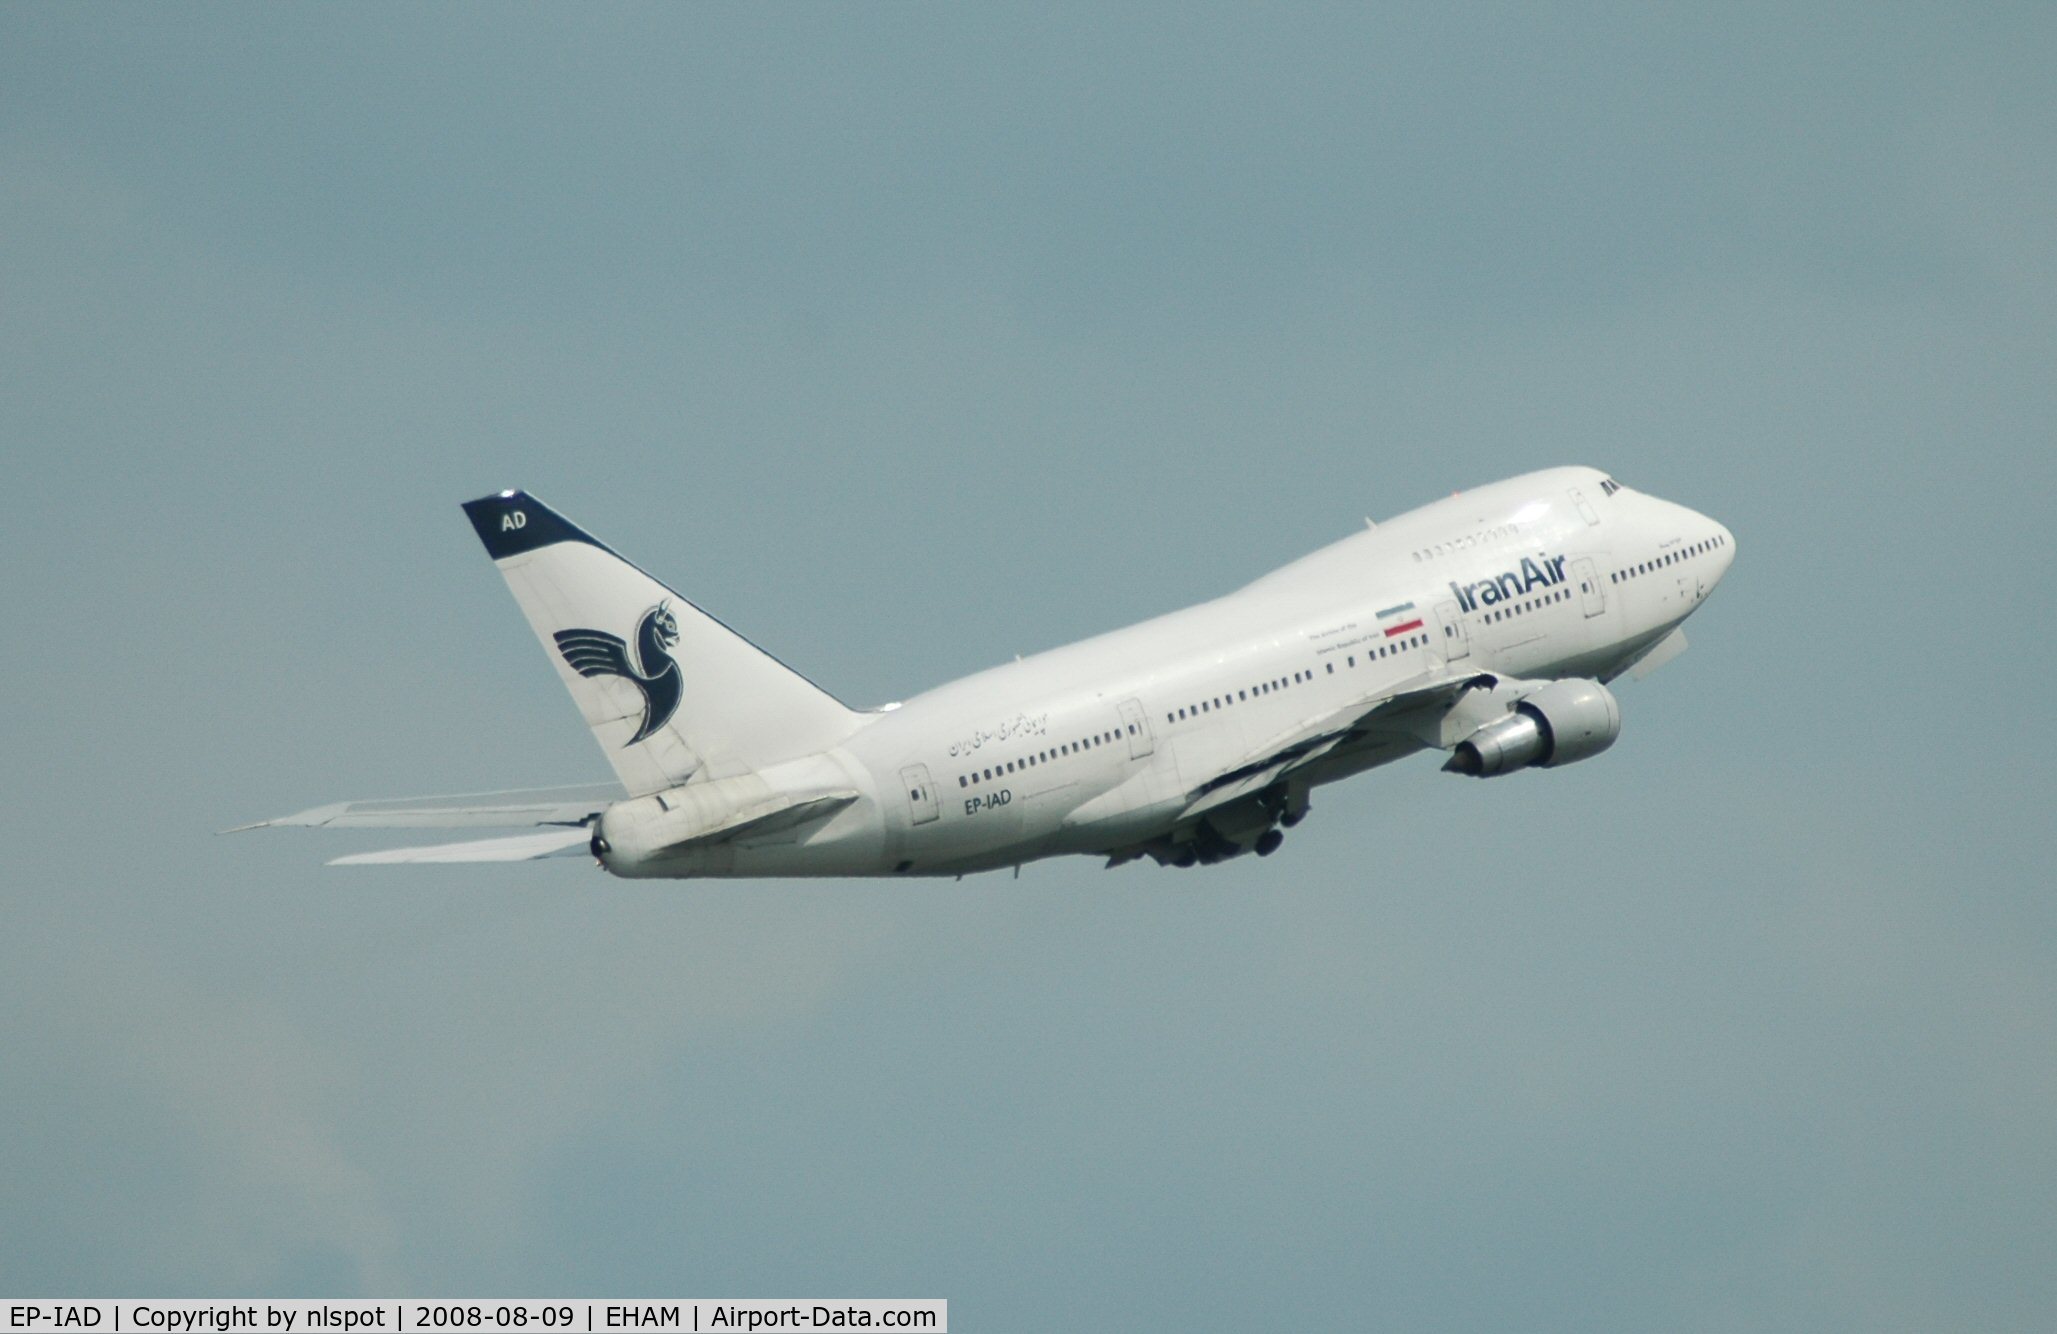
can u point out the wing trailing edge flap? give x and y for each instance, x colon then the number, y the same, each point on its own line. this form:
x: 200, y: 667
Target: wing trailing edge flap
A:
x: 470, y: 810
x: 1280, y: 756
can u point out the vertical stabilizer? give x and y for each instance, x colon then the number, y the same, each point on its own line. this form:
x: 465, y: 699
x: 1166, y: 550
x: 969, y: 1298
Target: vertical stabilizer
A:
x: 670, y: 692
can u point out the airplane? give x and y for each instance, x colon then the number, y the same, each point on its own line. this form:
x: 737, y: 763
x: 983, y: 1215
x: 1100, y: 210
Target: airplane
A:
x: 1486, y: 626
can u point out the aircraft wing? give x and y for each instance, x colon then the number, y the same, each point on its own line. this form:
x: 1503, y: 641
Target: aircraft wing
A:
x: 1315, y: 737
x: 471, y: 810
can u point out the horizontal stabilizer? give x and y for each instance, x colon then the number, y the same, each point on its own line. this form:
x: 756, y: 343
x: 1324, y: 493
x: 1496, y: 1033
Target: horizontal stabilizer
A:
x: 470, y: 810
x: 520, y: 848
x: 779, y: 819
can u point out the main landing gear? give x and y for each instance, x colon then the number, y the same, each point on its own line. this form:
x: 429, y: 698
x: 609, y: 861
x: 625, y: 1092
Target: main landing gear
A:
x: 1251, y: 825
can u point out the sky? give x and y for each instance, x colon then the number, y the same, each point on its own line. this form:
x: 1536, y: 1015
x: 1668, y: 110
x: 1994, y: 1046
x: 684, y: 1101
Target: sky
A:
x: 908, y: 339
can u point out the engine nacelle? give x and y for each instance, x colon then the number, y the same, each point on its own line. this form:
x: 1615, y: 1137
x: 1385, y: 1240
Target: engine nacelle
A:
x: 1563, y: 722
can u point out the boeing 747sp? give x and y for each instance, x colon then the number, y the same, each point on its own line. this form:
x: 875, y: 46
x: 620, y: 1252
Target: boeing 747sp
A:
x: 1486, y: 626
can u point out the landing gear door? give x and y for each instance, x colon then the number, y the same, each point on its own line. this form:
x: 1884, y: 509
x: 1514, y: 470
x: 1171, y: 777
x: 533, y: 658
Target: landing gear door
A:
x: 922, y: 806
x: 1591, y: 594
x: 1136, y: 723
x: 1455, y: 643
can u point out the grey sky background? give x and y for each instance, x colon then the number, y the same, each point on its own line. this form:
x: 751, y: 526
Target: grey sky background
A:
x: 908, y: 339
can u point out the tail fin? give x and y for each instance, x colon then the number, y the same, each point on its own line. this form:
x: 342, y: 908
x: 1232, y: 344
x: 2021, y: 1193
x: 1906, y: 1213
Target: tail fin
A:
x: 669, y: 691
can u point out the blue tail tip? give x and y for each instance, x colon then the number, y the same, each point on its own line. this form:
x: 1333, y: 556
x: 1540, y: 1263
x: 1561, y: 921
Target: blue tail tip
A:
x: 512, y: 522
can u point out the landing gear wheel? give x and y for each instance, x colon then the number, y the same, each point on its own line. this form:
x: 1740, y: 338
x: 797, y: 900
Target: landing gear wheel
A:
x: 1268, y: 842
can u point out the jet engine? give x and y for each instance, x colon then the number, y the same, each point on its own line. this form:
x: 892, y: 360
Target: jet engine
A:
x: 1563, y: 722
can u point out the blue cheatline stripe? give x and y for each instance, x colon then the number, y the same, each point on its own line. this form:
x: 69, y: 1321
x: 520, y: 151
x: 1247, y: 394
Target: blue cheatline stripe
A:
x: 1395, y: 611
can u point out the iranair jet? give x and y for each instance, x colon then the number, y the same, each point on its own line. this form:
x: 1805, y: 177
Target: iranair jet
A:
x: 1486, y: 627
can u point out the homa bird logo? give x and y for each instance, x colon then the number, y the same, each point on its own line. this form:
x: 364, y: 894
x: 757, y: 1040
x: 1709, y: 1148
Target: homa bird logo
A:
x: 597, y: 653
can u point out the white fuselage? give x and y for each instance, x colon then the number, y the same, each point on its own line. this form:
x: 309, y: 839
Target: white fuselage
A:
x: 1099, y: 746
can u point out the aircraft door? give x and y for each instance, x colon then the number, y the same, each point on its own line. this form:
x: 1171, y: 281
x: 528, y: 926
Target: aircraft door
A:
x: 1591, y: 594
x: 1136, y: 723
x: 1455, y: 642
x: 1585, y: 510
x: 922, y: 806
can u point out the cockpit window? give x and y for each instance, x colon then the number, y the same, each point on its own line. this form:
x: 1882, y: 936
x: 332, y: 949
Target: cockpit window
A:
x: 1608, y: 486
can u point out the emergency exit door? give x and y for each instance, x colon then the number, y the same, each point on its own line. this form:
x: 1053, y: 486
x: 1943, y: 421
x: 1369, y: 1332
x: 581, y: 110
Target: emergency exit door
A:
x: 1136, y: 723
x: 922, y: 806
x: 1590, y: 593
